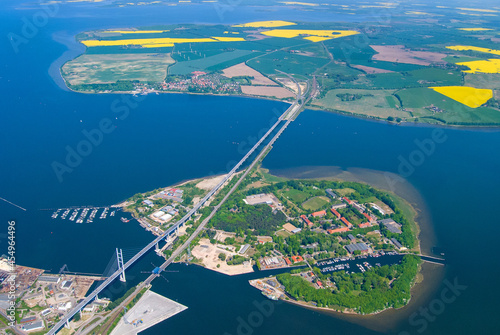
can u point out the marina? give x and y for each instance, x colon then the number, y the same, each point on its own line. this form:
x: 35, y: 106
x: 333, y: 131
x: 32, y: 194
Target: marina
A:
x: 55, y: 214
x: 104, y: 213
x: 87, y: 214
x: 358, y: 264
x: 73, y: 215
x: 63, y: 216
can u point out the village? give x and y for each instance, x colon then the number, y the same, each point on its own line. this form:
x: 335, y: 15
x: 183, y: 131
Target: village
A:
x: 195, y: 82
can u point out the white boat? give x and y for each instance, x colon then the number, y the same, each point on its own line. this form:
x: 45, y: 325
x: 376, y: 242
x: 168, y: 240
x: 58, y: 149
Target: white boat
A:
x: 66, y: 212
x: 104, y: 213
x: 74, y: 214
x: 55, y: 214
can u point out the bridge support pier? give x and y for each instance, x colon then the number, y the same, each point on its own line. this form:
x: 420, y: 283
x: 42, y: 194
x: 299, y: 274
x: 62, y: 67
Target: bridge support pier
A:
x: 67, y: 324
x: 119, y: 256
x: 157, y: 247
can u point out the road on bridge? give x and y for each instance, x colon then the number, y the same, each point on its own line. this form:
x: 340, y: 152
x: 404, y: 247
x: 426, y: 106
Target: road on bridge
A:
x: 295, y: 107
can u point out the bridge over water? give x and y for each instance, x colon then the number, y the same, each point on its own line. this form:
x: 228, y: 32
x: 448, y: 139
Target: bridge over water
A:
x: 288, y: 115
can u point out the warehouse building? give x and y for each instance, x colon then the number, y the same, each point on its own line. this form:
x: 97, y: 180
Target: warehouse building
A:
x: 362, y: 247
x: 391, y: 226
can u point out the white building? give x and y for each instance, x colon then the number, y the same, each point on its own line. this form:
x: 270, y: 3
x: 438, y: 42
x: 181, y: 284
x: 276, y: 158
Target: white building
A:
x: 166, y: 217
x: 158, y: 214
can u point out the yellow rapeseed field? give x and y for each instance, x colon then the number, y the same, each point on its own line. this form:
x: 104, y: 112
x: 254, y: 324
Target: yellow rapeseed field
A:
x: 469, y: 47
x: 475, y: 29
x: 469, y: 96
x: 314, y: 35
x: 265, y: 24
x: 158, y: 42
x: 482, y: 66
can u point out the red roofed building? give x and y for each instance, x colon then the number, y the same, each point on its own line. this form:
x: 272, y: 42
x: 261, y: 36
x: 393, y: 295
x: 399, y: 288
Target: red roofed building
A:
x: 306, y: 220
x: 287, y: 260
x: 198, y: 73
x: 347, y: 200
x: 368, y: 217
x: 297, y: 259
x: 320, y: 284
x: 347, y: 223
x: 365, y: 225
x: 320, y: 213
x: 338, y: 230
x: 337, y: 214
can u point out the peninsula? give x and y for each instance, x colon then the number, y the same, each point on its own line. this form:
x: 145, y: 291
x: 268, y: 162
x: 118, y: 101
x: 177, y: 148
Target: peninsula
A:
x: 347, y: 246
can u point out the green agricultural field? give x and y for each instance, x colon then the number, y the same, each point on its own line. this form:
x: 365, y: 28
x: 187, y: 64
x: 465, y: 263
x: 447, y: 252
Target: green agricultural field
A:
x: 460, y: 59
x: 429, y: 76
x: 210, y: 63
x: 296, y: 196
x: 392, y: 101
x: 344, y: 191
x: 336, y: 69
x: 416, y: 99
x: 287, y: 62
x: 373, y: 103
x: 483, y: 80
x: 315, y: 203
x: 397, y: 67
x: 100, y: 69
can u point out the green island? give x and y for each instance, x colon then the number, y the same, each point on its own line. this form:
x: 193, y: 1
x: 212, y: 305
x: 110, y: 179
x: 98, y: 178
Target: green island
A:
x: 301, y: 225
x: 409, y: 70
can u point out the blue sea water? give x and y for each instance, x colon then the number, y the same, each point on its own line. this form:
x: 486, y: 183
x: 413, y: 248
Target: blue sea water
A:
x: 169, y: 138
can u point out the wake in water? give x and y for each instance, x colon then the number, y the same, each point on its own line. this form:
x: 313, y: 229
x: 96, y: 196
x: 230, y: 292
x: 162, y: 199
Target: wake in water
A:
x: 13, y: 204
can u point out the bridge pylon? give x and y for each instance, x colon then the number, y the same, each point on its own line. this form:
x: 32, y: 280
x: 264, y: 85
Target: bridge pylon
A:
x: 119, y: 256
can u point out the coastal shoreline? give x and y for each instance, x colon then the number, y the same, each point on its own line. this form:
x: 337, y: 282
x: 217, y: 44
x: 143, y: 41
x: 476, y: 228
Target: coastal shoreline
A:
x: 310, y: 107
x: 431, y: 275
x: 389, y: 318
x: 426, y: 281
